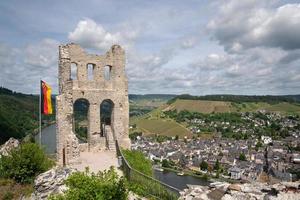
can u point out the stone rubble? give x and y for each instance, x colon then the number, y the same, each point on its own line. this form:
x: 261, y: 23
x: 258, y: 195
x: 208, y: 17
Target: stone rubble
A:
x: 8, y: 146
x: 51, y: 182
x: 247, y: 191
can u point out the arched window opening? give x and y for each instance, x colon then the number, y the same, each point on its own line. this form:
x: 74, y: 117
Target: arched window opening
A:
x: 106, y: 114
x: 107, y: 72
x: 80, y: 120
x: 90, y: 71
x: 73, y: 75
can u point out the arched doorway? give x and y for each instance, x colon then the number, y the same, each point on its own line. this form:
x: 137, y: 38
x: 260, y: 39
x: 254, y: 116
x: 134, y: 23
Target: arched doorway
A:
x: 106, y: 114
x: 81, y: 119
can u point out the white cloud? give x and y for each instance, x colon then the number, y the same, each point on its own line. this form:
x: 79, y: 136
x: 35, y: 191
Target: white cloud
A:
x: 23, y: 67
x: 92, y: 35
x: 250, y: 23
x: 43, y: 54
x: 169, y: 52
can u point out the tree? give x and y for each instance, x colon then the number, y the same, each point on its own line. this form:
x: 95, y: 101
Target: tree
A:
x: 134, y: 135
x: 217, y: 165
x: 242, y: 157
x: 217, y: 174
x: 203, y: 165
x: 165, y: 163
x: 258, y: 145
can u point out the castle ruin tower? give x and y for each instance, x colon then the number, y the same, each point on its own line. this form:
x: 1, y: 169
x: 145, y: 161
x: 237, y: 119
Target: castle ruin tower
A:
x: 96, y: 79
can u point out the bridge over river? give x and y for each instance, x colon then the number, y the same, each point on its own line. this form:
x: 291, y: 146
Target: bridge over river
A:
x: 170, y: 178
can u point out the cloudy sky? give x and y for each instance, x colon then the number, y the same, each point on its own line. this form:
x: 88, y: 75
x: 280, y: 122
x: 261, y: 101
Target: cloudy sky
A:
x: 193, y: 46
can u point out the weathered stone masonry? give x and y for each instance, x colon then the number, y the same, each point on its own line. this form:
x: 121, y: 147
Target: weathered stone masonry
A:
x: 95, y: 91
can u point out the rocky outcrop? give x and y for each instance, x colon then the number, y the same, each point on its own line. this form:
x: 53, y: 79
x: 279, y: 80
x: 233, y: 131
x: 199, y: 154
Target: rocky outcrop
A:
x: 248, y: 191
x: 8, y: 146
x: 51, y: 182
x: 235, y: 187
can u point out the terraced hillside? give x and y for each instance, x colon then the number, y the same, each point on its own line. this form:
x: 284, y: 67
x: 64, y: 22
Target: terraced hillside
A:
x: 162, y: 127
x: 205, y: 106
x: 155, y: 122
x: 202, y: 106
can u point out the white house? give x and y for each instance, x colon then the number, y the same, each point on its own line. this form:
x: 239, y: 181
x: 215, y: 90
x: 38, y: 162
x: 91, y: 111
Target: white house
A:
x: 266, y: 139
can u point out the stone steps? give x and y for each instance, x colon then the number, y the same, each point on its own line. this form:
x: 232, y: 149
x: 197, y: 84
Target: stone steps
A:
x: 111, y: 143
x: 112, y: 146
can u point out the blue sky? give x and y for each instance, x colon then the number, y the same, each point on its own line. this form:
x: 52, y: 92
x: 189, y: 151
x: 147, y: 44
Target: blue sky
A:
x: 197, y: 47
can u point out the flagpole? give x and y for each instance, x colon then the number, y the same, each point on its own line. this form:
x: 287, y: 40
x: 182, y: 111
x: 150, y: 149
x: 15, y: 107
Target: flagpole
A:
x: 40, y: 115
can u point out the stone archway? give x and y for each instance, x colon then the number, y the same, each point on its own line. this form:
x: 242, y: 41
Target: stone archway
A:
x: 106, y: 111
x: 81, y: 119
x: 107, y: 122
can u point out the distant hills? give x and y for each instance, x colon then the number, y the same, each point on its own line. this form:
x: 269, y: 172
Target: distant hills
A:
x: 166, y: 97
x: 154, y: 122
x: 19, y: 112
x: 241, y: 98
x: 208, y: 106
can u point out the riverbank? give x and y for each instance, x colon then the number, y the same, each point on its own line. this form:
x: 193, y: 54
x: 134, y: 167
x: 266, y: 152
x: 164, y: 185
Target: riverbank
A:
x: 206, y: 177
x: 37, y: 130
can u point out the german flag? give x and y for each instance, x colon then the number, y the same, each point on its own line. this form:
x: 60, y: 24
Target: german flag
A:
x: 46, y: 104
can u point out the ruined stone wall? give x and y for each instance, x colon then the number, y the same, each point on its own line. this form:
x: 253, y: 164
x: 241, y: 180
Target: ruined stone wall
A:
x: 94, y: 90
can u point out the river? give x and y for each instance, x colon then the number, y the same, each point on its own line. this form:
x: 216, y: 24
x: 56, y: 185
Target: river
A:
x: 179, y: 182
x: 168, y: 177
x: 48, y: 139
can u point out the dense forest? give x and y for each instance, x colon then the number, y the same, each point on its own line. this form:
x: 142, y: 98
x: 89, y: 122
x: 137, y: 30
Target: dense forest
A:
x: 241, y: 98
x: 19, y: 114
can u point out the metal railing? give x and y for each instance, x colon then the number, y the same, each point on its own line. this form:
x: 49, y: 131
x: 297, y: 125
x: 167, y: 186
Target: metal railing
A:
x: 151, y: 186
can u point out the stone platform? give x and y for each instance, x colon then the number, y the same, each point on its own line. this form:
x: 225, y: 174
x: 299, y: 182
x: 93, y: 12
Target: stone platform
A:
x: 97, y: 161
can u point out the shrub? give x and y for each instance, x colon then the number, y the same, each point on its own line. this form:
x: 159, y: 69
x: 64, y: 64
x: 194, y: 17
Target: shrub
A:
x: 8, y: 196
x: 24, y: 163
x: 165, y: 163
x: 203, y: 165
x: 105, y: 185
x: 242, y: 157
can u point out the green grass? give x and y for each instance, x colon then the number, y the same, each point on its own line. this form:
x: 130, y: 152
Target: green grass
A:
x: 284, y: 107
x: 138, y: 161
x: 249, y: 106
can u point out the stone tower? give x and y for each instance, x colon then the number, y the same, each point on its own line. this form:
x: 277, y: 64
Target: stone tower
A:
x: 106, y: 82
